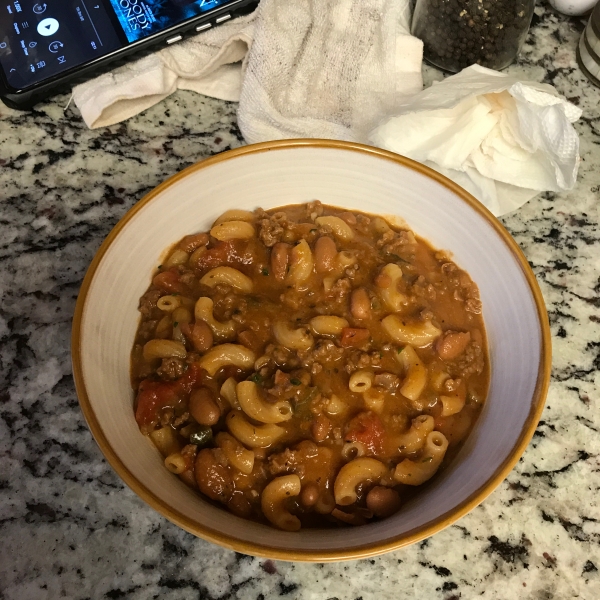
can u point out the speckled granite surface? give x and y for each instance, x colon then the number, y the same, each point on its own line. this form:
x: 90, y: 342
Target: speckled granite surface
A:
x: 70, y: 528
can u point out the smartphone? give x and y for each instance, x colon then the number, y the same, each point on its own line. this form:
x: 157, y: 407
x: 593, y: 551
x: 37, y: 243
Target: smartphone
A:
x: 47, y: 46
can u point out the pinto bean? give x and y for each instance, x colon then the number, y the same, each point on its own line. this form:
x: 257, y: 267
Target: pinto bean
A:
x: 360, y: 304
x: 452, y: 344
x: 192, y: 242
x: 200, y: 334
x: 383, y: 501
x: 325, y: 253
x: 354, y: 337
x: 320, y: 428
x: 189, y: 479
x: 169, y: 281
x: 348, y: 217
x: 240, y: 506
x: 204, y: 408
x: 389, y: 381
x: 309, y: 494
x: 212, y: 476
x: 250, y: 339
x: 280, y: 256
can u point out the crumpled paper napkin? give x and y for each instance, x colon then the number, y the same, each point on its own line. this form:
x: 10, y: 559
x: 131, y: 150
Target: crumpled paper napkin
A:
x: 502, y: 139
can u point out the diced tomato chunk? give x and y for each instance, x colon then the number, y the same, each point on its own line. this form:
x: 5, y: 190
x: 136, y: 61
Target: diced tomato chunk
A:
x: 232, y: 253
x: 169, y: 282
x: 155, y: 396
x: 352, y: 336
x: 367, y: 429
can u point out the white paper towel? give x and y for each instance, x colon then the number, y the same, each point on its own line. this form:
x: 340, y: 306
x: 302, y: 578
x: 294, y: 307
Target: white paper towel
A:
x: 502, y: 139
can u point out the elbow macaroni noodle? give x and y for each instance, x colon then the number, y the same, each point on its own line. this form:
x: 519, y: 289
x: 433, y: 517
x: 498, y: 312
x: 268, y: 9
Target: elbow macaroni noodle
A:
x: 328, y: 325
x: 233, y: 230
x: 259, y: 410
x: 411, y: 472
x: 253, y: 436
x: 294, y: 339
x: 339, y: 227
x: 393, y: 298
x: 361, y: 381
x: 273, y: 502
x: 302, y: 263
x: 227, y: 355
x: 228, y: 276
x: 203, y: 311
x: 418, y: 334
x: 290, y: 362
x: 360, y: 470
x: 416, y: 374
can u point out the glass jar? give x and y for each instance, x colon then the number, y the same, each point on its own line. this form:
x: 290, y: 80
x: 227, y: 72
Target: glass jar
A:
x: 459, y: 33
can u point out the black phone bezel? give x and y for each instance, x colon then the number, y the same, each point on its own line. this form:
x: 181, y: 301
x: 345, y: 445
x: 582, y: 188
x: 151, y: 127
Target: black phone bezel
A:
x: 27, y: 98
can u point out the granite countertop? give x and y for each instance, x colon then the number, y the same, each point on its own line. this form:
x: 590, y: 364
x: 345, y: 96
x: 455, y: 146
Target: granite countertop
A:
x: 70, y: 528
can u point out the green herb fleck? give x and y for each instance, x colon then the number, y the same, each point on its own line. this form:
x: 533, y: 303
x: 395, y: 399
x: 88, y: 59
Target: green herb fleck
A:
x: 202, y: 437
x: 302, y: 403
x: 400, y: 350
x: 427, y: 459
x: 265, y: 271
x: 314, y: 230
x: 175, y: 294
x: 160, y: 266
x: 375, y: 304
x: 295, y: 381
x: 175, y: 324
x: 257, y: 378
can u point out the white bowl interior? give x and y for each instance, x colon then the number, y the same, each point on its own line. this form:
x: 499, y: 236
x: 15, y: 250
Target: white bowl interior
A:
x: 351, y: 179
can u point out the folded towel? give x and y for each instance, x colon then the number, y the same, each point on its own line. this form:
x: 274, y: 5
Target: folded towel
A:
x: 327, y: 68
x: 210, y: 63
x: 502, y: 139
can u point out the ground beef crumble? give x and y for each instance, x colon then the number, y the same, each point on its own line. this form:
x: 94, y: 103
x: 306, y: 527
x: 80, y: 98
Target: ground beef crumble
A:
x: 272, y: 227
x: 148, y: 302
x: 470, y: 362
x: 324, y: 353
x: 340, y: 289
x: 172, y: 368
x: 361, y: 360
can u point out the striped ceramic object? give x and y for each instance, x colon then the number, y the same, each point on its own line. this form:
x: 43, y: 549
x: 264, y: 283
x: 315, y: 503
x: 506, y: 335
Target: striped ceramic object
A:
x: 588, y: 51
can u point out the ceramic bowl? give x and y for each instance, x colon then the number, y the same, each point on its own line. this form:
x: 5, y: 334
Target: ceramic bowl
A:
x: 346, y: 175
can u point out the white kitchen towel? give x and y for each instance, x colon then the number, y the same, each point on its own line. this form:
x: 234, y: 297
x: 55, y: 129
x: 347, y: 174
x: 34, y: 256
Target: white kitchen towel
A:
x: 327, y: 68
x: 502, y: 139
x: 209, y: 63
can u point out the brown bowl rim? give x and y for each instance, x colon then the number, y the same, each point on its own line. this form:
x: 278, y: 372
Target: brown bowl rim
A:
x: 358, y: 552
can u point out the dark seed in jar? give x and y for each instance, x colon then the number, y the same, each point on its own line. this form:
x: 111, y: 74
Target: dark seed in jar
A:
x: 459, y: 33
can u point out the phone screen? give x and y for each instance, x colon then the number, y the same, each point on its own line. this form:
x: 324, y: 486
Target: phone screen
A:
x: 40, y: 39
